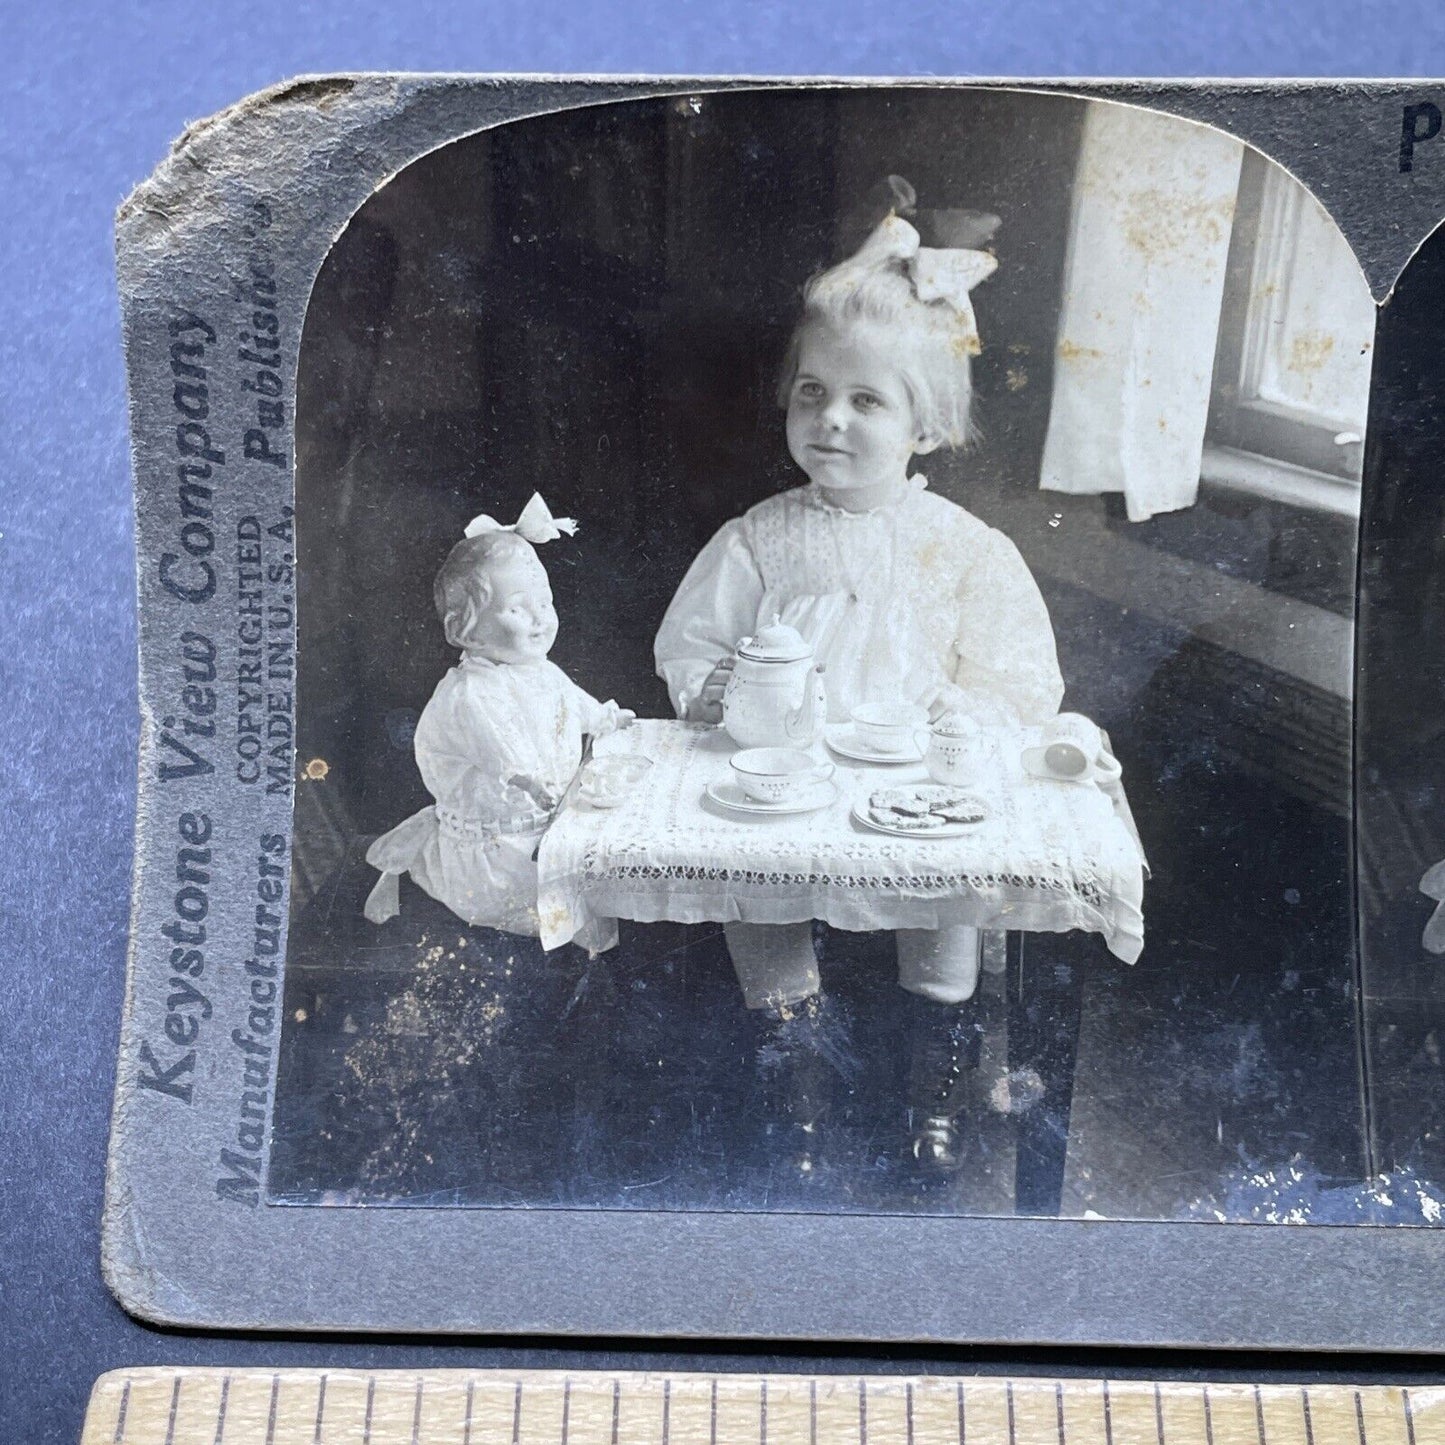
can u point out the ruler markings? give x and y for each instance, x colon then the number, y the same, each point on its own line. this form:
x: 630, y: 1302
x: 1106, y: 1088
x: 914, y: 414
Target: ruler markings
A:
x: 212, y: 1407
x: 320, y: 1410
x: 119, y: 1435
x: 221, y: 1410
x: 171, y: 1419
x: 270, y: 1412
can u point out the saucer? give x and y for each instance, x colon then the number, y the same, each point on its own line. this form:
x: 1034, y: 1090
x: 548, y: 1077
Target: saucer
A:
x: 941, y: 830
x: 729, y: 795
x: 844, y: 741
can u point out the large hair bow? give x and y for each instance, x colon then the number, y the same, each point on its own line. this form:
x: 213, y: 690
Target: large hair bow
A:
x: 536, y: 523
x: 936, y: 274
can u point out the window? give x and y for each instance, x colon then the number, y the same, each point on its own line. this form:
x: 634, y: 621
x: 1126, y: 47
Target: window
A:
x: 1292, y: 367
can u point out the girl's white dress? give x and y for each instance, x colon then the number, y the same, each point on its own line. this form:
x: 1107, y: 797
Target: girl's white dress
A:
x: 497, y: 746
x: 895, y: 602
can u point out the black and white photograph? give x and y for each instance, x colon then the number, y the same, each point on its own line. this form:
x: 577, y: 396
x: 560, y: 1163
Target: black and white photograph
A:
x: 825, y: 661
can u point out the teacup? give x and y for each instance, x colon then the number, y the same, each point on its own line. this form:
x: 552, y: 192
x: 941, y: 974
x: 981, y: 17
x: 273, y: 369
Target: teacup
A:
x: 888, y: 727
x: 1071, y: 748
x: 607, y: 782
x: 778, y: 775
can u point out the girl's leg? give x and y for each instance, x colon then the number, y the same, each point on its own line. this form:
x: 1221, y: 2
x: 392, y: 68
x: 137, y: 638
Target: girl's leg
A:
x: 939, y: 971
x: 774, y: 962
x: 939, y: 963
x: 778, y: 972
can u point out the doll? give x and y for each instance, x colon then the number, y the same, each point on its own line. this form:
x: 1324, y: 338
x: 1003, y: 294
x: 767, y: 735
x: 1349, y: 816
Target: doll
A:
x: 902, y: 594
x: 500, y: 739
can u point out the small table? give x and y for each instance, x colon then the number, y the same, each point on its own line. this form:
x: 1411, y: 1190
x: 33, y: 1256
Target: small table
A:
x: 1049, y: 857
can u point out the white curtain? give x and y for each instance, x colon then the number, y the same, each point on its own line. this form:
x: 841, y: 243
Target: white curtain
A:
x: 1143, y: 280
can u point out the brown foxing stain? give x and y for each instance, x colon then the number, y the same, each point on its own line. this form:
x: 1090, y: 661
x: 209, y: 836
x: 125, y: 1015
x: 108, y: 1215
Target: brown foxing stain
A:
x: 1016, y: 378
x: 317, y: 769
x: 1072, y: 351
x: 1310, y: 351
x: 930, y: 555
x: 554, y: 920
x: 1158, y: 226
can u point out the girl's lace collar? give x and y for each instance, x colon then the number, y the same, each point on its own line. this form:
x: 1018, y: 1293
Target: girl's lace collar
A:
x: 813, y: 494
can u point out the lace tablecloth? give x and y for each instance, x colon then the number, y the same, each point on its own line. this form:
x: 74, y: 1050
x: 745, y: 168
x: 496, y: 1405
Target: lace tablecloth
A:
x: 1049, y: 857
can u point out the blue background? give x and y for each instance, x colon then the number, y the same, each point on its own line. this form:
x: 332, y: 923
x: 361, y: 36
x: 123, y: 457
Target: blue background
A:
x: 92, y: 97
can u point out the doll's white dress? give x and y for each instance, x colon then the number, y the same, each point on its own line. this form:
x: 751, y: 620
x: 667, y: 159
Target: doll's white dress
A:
x: 895, y: 601
x: 497, y: 746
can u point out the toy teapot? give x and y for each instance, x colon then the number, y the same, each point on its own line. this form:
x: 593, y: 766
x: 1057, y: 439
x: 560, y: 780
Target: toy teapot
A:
x: 775, y: 696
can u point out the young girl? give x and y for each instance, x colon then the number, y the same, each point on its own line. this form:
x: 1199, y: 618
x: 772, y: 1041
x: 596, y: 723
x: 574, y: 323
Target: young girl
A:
x: 500, y: 739
x: 903, y: 594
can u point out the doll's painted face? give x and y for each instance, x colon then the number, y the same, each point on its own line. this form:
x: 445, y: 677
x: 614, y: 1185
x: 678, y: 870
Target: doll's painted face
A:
x: 851, y: 426
x: 519, y: 623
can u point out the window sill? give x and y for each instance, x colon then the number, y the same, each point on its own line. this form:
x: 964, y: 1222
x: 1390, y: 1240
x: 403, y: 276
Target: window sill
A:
x: 1279, y: 481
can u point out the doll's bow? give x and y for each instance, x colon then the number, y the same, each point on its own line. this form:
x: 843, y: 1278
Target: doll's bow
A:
x: 535, y: 525
x: 936, y: 274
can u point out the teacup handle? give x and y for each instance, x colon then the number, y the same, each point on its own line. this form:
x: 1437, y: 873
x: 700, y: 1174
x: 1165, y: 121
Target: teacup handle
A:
x: 1107, y: 768
x: 922, y: 739
x: 823, y: 771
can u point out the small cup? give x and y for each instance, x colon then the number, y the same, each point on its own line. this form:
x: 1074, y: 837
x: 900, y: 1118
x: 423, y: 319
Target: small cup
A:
x: 609, y: 781
x: 778, y: 775
x: 1071, y: 748
x: 888, y: 727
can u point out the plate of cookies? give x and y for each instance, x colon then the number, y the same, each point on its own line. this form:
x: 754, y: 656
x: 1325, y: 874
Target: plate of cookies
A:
x: 921, y: 810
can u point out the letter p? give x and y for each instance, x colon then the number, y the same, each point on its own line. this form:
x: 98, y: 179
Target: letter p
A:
x: 1410, y: 133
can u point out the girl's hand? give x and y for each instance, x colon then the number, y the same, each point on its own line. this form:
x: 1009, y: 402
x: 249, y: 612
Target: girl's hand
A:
x: 983, y: 708
x: 707, y: 705
x: 624, y: 719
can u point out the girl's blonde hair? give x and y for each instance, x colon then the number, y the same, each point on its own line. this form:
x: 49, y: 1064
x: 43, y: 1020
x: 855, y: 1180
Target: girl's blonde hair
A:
x: 463, y: 589
x: 931, y: 352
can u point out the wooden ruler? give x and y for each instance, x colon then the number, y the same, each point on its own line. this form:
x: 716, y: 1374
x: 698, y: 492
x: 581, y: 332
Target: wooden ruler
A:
x: 550, y: 1407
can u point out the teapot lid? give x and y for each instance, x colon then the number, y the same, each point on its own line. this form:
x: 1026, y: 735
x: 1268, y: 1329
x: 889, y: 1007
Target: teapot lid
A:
x: 955, y: 725
x: 777, y: 642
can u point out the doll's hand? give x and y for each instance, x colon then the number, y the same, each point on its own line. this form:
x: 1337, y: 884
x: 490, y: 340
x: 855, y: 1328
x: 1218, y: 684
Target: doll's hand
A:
x: 624, y: 718
x: 707, y: 705
x: 534, y: 790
